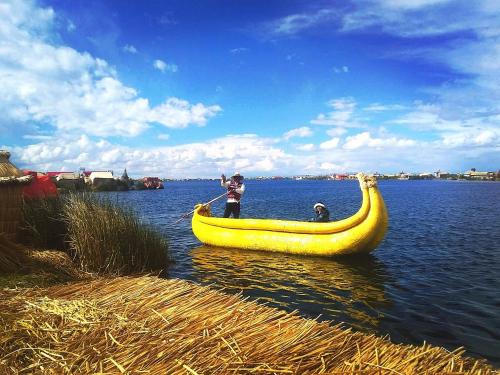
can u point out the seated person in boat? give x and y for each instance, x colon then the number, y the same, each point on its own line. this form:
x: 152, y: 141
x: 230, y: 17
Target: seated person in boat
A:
x: 322, y: 213
x: 235, y: 189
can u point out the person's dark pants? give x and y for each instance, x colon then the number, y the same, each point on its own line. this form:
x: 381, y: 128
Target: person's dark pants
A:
x: 232, y: 208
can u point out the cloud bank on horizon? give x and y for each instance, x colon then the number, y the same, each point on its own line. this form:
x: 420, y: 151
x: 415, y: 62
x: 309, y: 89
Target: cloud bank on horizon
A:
x: 376, y: 85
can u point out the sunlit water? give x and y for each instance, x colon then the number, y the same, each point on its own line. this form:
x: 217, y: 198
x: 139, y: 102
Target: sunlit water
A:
x: 436, y: 276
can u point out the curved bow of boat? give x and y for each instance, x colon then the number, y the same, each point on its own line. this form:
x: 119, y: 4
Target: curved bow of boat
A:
x: 362, y: 232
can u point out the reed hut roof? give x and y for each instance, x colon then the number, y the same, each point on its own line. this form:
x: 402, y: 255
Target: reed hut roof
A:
x: 9, y: 173
x: 150, y: 325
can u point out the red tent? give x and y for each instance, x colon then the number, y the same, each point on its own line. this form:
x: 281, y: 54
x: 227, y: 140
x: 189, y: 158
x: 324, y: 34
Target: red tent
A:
x: 41, y: 186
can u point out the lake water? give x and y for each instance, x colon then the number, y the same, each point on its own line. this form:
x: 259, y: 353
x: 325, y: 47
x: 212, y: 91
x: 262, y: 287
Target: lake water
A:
x: 435, y: 277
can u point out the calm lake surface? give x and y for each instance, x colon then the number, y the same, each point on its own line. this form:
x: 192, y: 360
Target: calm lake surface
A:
x: 435, y: 277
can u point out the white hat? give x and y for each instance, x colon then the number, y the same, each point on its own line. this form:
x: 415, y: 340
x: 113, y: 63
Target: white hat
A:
x: 319, y: 204
x: 236, y: 174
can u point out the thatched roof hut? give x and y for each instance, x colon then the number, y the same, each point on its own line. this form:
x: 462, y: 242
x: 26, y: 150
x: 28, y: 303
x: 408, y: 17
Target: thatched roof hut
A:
x: 11, y: 190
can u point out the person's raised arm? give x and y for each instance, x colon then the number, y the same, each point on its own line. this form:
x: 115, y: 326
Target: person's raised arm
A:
x: 223, y: 181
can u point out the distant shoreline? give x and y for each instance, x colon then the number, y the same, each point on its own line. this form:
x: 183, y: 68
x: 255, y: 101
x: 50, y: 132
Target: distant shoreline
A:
x: 321, y: 179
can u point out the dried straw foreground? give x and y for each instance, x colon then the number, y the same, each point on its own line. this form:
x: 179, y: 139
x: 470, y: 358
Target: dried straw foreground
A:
x: 150, y: 325
x: 25, y: 267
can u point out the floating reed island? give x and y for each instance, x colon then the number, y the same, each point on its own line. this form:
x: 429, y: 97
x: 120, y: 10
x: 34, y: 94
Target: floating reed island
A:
x: 137, y: 325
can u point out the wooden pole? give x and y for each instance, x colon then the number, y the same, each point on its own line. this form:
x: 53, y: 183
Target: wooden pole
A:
x: 204, y: 204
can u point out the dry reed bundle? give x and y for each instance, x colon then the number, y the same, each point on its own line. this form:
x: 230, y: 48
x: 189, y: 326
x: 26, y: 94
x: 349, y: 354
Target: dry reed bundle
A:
x: 23, y: 267
x: 107, y: 238
x: 11, y: 188
x: 150, y: 325
x: 56, y: 263
x: 13, y: 257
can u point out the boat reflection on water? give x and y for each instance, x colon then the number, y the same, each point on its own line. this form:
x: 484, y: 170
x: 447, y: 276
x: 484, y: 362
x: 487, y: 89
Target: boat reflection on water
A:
x: 341, y: 290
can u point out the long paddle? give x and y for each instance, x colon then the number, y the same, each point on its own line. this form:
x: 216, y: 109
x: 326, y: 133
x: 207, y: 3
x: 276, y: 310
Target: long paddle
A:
x: 204, y: 204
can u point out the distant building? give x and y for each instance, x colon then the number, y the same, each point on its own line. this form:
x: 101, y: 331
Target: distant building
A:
x: 403, y: 176
x: 99, y: 180
x: 477, y: 175
x: 100, y: 176
x: 425, y: 176
x: 125, y: 176
x: 340, y: 177
x: 65, y: 180
x: 441, y: 174
x: 67, y: 176
x: 54, y: 175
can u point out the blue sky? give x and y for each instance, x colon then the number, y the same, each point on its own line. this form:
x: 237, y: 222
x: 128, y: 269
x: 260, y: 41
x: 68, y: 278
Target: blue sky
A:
x: 193, y: 89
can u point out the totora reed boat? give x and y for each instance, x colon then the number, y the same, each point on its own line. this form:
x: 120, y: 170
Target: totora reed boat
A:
x: 359, y: 233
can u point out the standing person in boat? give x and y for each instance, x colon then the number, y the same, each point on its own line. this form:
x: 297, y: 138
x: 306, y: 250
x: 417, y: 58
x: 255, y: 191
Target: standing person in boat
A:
x: 322, y: 213
x: 235, y: 189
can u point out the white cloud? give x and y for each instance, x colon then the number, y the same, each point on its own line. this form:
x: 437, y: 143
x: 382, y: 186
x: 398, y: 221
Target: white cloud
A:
x: 167, y: 19
x: 330, y: 144
x: 405, y: 18
x: 293, y: 24
x: 432, y: 117
x: 366, y: 140
x: 336, y: 131
x: 473, y: 48
x: 378, y: 107
x: 238, y: 50
x: 419, y: 18
x: 177, y: 113
x: 70, y: 91
x: 247, y: 153
x: 254, y: 155
x: 488, y: 138
x: 160, y: 65
x: 130, y: 48
x: 164, y: 67
x: 301, y: 132
x: 305, y: 147
x: 411, y: 4
x: 328, y: 166
x: 37, y: 137
x: 342, y: 114
x: 70, y: 26
x: 342, y: 69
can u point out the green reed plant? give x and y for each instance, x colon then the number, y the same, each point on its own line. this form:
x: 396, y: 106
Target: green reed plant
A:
x: 105, y: 237
x: 42, y: 224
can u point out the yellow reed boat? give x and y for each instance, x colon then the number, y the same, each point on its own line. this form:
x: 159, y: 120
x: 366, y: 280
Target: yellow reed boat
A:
x: 359, y: 233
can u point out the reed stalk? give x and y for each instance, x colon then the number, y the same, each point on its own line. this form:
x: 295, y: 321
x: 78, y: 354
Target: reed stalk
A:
x: 156, y: 326
x: 105, y: 237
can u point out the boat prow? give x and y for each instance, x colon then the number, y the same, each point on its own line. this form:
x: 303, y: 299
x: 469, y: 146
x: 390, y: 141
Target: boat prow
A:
x: 360, y: 233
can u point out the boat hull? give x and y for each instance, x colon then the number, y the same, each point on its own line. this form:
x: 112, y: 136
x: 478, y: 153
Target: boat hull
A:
x: 359, y: 234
